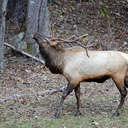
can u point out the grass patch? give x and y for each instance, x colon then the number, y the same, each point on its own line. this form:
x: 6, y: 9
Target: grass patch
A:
x: 69, y: 121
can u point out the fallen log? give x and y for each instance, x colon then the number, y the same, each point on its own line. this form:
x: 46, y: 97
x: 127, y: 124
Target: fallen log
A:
x: 25, y: 53
x: 41, y: 93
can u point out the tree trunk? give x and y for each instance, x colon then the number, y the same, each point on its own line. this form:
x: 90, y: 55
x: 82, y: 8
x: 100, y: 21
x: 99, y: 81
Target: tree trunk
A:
x: 37, y: 21
x: 15, y: 11
x: 3, y: 5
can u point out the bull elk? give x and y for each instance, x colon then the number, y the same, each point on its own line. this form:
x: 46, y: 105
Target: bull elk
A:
x: 74, y: 64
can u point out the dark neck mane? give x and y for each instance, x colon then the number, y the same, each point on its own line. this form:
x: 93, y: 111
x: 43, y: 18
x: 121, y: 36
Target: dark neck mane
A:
x: 53, y: 59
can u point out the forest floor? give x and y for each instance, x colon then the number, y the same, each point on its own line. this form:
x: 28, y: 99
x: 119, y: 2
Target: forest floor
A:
x: 22, y: 106
x: 22, y: 103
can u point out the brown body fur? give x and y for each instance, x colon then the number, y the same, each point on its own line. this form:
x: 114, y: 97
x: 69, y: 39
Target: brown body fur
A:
x: 76, y: 66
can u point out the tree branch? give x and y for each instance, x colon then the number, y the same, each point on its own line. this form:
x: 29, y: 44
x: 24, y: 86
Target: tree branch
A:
x: 42, y: 93
x: 25, y: 53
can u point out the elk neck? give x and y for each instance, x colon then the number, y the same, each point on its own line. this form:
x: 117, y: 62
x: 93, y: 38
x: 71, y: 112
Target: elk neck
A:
x: 53, y: 58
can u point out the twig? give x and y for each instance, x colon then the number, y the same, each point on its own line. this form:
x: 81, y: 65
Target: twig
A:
x: 25, y: 53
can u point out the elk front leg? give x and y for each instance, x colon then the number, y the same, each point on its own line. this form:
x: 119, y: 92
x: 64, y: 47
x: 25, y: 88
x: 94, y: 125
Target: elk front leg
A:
x: 66, y: 92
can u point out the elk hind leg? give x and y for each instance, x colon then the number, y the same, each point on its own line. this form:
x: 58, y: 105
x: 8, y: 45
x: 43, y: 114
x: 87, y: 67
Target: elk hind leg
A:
x: 77, y: 94
x: 123, y: 92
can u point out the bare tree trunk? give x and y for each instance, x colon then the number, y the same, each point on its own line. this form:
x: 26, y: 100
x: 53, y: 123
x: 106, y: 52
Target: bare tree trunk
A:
x: 37, y: 21
x: 3, y: 5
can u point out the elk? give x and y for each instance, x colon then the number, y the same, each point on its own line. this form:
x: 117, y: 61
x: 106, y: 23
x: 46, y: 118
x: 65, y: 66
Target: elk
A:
x: 74, y: 64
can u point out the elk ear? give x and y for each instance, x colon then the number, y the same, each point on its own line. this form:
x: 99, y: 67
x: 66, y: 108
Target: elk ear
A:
x: 53, y: 42
x: 57, y: 47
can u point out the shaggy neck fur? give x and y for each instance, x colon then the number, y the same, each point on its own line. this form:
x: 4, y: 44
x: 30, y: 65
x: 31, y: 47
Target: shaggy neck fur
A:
x: 53, y: 59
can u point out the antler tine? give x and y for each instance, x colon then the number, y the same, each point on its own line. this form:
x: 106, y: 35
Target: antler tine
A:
x: 41, y: 36
x: 52, y: 29
x: 47, y: 39
x: 69, y: 39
